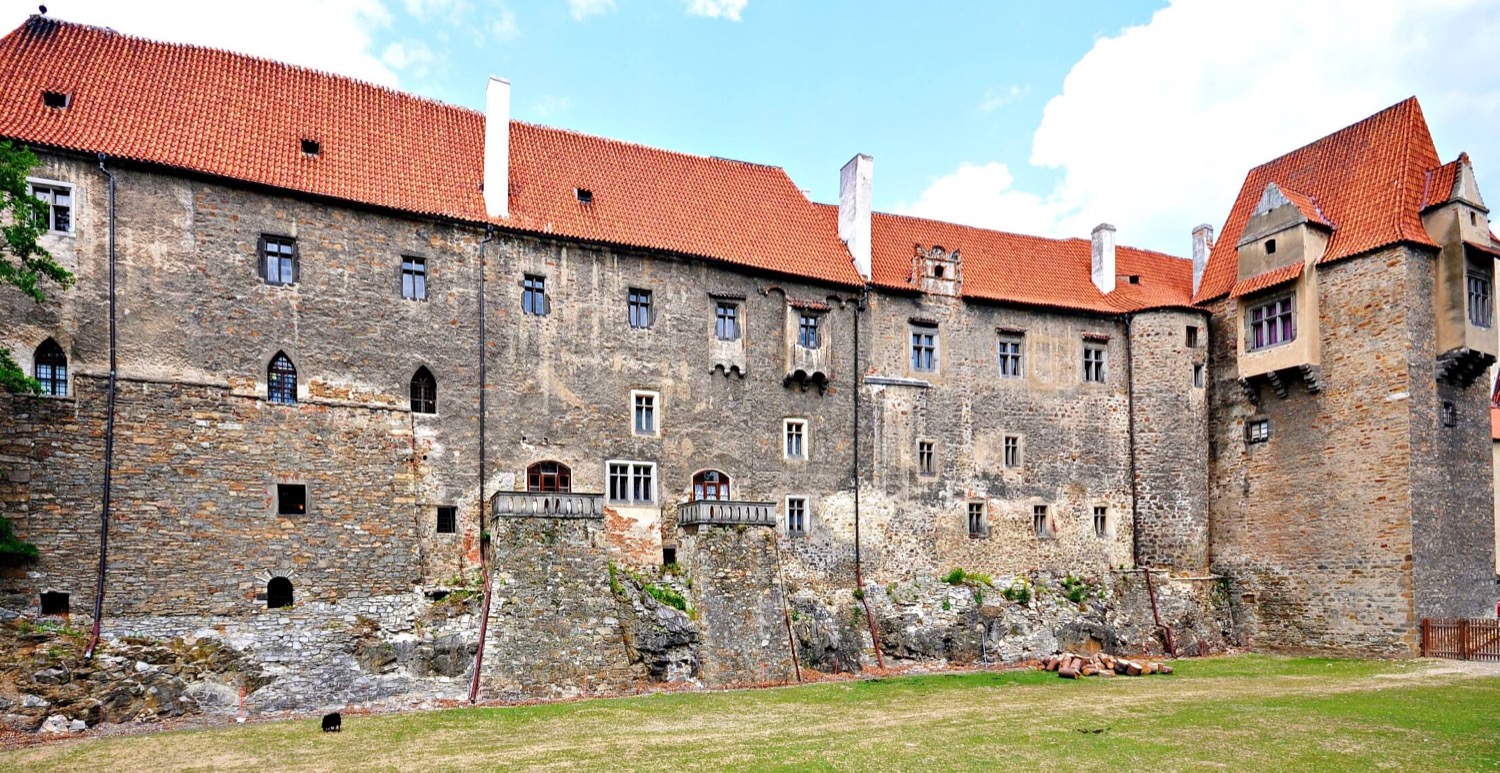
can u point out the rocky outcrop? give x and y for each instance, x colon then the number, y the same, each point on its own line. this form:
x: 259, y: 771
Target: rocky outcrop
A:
x: 660, y: 638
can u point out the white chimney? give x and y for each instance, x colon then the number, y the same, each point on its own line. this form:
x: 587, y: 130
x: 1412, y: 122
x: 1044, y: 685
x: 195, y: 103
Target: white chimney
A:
x: 854, y: 210
x: 1104, y: 258
x: 497, y: 148
x: 1203, y: 242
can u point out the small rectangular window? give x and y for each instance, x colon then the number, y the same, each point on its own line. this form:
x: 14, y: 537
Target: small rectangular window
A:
x: 807, y: 331
x: 632, y: 483
x: 978, y: 527
x: 59, y: 200
x: 1481, y: 300
x: 727, y: 321
x: 1093, y: 363
x: 414, y: 278
x: 1198, y: 375
x: 926, y: 458
x: 1101, y: 521
x: 644, y: 407
x: 54, y: 603
x: 57, y: 100
x: 1450, y: 415
x: 291, y: 499
x: 1012, y: 451
x: 1192, y: 336
x: 1040, y: 525
x: 924, y: 348
x: 1271, y: 324
x: 278, y: 259
x: 447, y: 519
x: 796, y: 515
x: 638, y: 302
x: 1258, y: 431
x: 534, y: 295
x: 796, y: 439
x: 1010, y: 356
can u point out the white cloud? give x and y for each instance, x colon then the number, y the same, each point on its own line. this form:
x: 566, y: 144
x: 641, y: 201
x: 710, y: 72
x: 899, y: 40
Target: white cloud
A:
x: 411, y: 56
x: 716, y: 9
x: 505, y: 29
x: 332, y: 35
x: 999, y: 97
x: 550, y: 105
x: 582, y: 9
x: 1156, y: 126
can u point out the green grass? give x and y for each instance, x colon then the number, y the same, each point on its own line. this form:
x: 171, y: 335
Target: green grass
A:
x: 1252, y: 712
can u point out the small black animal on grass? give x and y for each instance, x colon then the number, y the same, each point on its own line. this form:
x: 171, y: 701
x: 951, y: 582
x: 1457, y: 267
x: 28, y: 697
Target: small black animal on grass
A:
x: 333, y: 723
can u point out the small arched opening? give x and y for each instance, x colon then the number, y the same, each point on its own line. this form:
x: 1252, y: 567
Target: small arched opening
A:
x: 281, y: 380
x: 710, y: 486
x: 51, y: 369
x: 549, y: 477
x: 423, y: 391
x: 278, y: 593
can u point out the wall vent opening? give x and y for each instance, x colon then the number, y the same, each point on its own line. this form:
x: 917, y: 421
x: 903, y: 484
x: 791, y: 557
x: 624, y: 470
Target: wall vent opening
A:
x: 311, y: 147
x: 1270, y: 246
x: 57, y: 99
x: 54, y: 603
x: 585, y: 195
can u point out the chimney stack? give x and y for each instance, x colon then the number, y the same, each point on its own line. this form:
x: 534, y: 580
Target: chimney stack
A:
x: 497, y: 148
x: 1203, y: 242
x: 854, y: 210
x: 1104, y: 258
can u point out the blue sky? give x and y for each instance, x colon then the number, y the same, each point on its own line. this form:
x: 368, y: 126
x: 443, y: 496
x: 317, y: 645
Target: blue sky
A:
x: 1043, y: 118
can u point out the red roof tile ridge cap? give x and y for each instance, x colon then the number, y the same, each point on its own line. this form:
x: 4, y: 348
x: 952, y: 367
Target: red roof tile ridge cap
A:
x: 1405, y: 103
x: 93, y: 29
x: 642, y: 146
x: 1058, y: 239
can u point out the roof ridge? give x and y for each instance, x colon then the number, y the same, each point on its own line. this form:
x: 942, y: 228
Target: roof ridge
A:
x: 1336, y: 133
x: 1058, y: 239
x: 633, y: 144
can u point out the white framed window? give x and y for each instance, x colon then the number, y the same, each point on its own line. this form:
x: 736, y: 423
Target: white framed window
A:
x: 1271, y: 324
x: 1010, y: 356
x: 645, y: 413
x: 1012, y: 447
x: 794, y: 435
x: 1258, y: 431
x: 1093, y: 363
x: 796, y: 516
x: 58, y: 196
x: 631, y: 483
x: 924, y: 347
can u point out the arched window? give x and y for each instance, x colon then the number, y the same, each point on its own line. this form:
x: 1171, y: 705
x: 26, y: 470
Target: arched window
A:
x: 52, y: 369
x: 549, y: 477
x: 278, y: 593
x: 423, y: 392
x: 710, y: 486
x: 281, y: 380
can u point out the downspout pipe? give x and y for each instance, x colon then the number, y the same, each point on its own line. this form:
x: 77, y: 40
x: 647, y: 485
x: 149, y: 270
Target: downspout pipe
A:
x: 109, y: 428
x: 484, y: 565
x: 859, y: 574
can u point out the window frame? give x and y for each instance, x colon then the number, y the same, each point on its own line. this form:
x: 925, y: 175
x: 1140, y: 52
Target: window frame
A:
x: 701, y: 486
x: 53, y: 187
x: 277, y: 503
x: 263, y: 250
x: 534, y: 302
x: 1006, y: 446
x: 429, y: 400
x: 276, y: 391
x: 1191, y: 337
x: 537, y: 477
x: 632, y: 480
x: 803, y: 515
x: 652, y: 406
x: 1277, y: 322
x: 1481, y: 313
x: 1257, y: 431
x: 640, y: 311
x: 924, y: 348
x: 1200, y: 375
x: 927, y: 458
x: 1015, y: 358
x: 732, y: 320
x: 1096, y: 368
x: 809, y: 329
x: 1103, y: 524
x: 450, y: 512
x: 414, y: 268
x: 803, y: 436
x: 979, y: 528
x: 1041, y: 522
x: 54, y: 382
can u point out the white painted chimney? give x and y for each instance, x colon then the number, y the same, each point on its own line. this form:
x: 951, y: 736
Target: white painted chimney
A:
x: 1104, y: 258
x: 497, y: 148
x: 854, y: 210
x: 1203, y: 243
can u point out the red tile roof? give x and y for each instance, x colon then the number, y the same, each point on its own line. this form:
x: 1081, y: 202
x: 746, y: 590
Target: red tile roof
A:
x: 1438, y: 188
x: 238, y: 117
x: 1368, y: 181
x: 1031, y: 270
x: 1306, y: 205
x: 1266, y: 279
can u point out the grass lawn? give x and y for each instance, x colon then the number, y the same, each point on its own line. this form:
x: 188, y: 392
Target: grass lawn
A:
x: 1249, y: 712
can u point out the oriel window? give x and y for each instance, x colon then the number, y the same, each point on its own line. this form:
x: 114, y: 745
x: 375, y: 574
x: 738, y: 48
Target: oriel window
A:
x: 1481, y: 300
x: 727, y: 321
x: 807, y: 331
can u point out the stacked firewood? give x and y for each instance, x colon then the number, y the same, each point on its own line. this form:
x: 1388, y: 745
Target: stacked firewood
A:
x: 1070, y: 666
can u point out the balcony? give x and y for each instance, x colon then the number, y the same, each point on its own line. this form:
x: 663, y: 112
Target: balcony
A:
x: 727, y: 513
x: 536, y: 504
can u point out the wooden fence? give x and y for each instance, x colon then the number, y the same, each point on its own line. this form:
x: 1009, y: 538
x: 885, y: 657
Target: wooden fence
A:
x: 1461, y: 639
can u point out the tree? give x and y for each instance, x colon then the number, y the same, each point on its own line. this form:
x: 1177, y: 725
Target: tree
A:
x: 24, y: 263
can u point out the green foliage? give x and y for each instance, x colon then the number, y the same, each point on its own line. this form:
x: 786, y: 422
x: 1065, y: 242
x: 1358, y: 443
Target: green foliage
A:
x: 24, y: 263
x: 972, y: 579
x: 614, y: 581
x: 668, y: 596
x: 1077, y: 589
x: 859, y: 594
x: 947, y: 605
x: 1019, y: 591
x: 13, y: 549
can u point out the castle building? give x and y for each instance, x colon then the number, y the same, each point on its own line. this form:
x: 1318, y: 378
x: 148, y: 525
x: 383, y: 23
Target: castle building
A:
x: 362, y: 344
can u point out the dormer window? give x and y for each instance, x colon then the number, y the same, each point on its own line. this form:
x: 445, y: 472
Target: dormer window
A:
x: 311, y: 147
x: 585, y: 196
x: 57, y: 99
x: 937, y: 271
x: 1270, y: 246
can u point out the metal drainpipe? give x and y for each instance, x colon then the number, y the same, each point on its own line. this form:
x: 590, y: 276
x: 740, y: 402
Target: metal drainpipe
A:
x: 484, y: 565
x: 859, y: 574
x: 109, y: 429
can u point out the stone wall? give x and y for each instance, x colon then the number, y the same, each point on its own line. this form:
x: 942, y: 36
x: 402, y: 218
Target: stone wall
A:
x: 738, y: 598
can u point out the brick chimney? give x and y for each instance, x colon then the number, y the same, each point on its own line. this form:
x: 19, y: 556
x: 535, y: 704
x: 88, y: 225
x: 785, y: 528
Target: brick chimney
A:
x: 497, y: 148
x: 854, y: 210
x: 1104, y: 258
x: 1203, y: 242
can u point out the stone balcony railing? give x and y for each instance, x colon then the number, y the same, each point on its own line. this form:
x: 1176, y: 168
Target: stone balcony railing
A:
x: 536, y: 504
x: 727, y: 513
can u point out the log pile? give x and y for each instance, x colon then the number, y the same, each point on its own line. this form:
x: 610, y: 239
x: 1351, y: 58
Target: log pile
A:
x: 1070, y: 666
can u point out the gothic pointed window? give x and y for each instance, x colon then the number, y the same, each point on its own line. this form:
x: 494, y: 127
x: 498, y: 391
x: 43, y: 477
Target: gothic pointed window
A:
x: 281, y: 380
x: 423, y: 392
x: 52, y: 369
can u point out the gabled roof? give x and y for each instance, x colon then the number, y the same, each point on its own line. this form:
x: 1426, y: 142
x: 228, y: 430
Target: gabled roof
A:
x: 1307, y: 206
x: 1367, y: 181
x: 1440, y: 183
x: 242, y: 118
x: 1030, y: 270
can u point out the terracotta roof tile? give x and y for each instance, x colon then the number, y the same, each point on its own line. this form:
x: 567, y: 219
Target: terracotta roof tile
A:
x: 242, y: 118
x: 1032, y: 270
x: 1266, y: 280
x: 1307, y: 206
x: 1439, y: 184
x: 1367, y: 179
